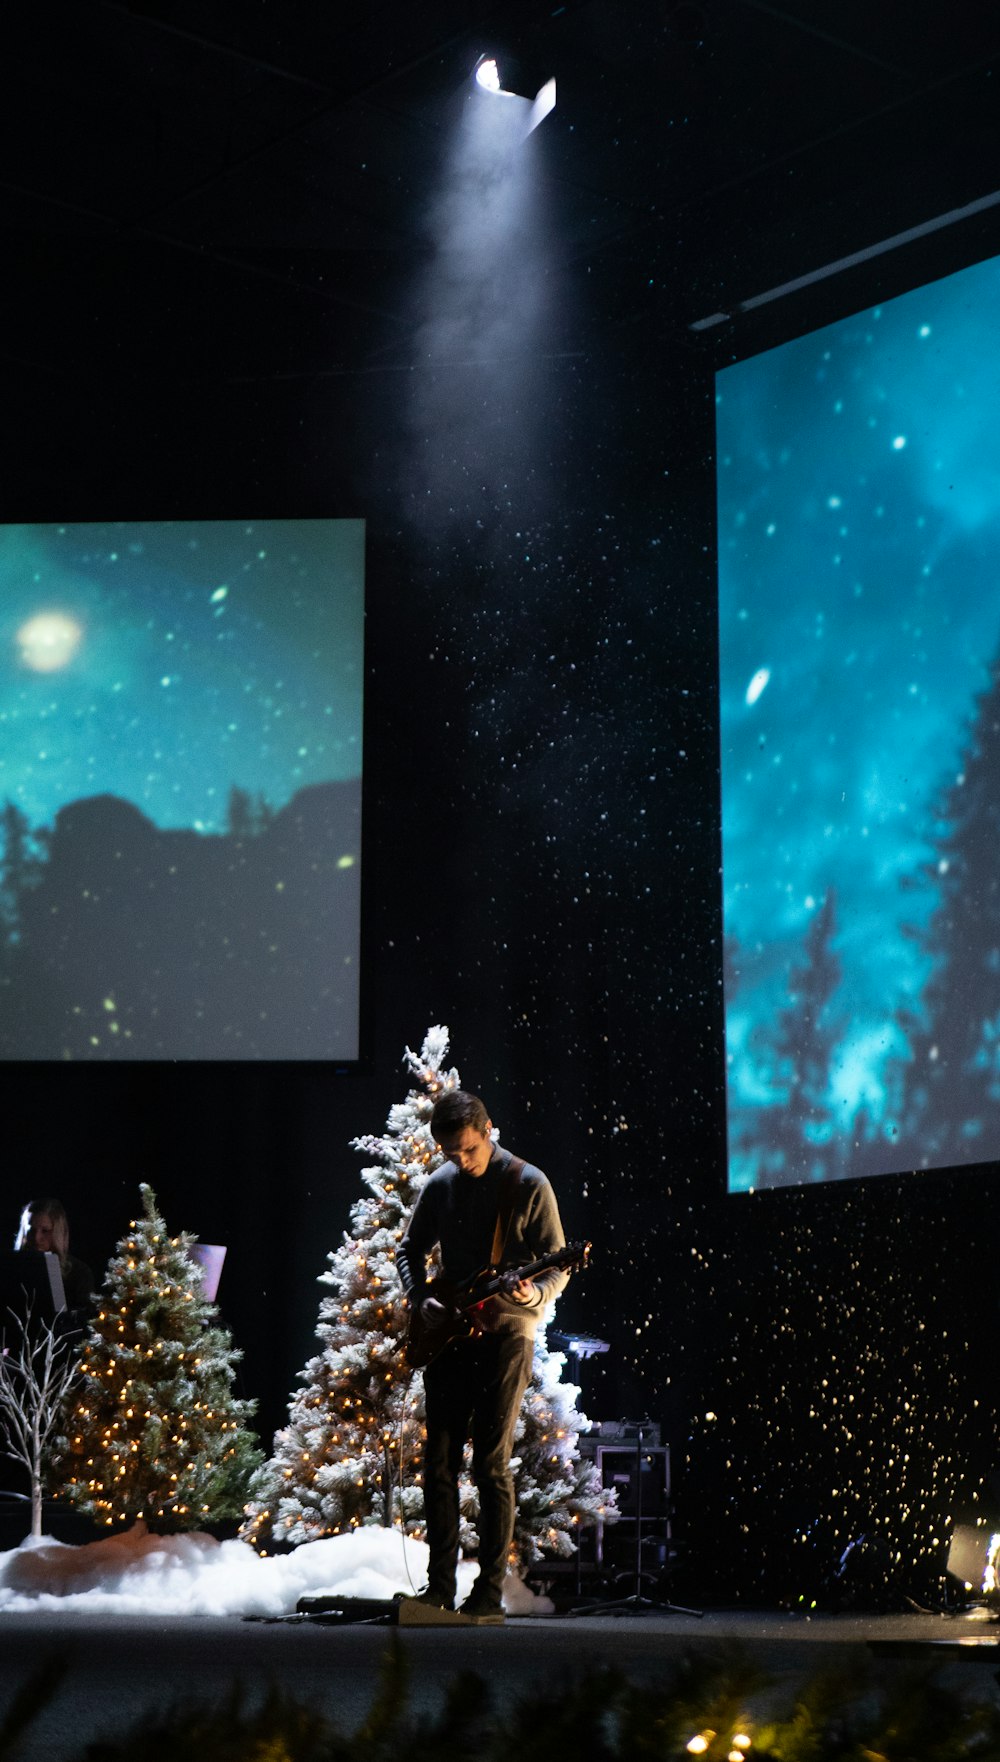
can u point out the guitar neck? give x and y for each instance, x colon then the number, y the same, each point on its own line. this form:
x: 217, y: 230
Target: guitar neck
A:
x: 424, y: 1340
x: 489, y: 1287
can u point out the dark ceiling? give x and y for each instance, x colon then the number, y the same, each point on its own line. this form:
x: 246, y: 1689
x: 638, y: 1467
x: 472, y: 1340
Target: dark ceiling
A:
x: 206, y: 186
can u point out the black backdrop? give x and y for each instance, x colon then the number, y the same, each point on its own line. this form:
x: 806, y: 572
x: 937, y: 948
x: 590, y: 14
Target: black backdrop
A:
x: 541, y: 874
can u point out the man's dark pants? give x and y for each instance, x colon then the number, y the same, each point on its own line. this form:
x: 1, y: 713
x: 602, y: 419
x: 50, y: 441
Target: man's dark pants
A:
x: 474, y: 1389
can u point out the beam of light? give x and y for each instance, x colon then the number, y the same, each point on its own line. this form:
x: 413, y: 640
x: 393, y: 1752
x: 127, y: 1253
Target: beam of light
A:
x: 485, y: 296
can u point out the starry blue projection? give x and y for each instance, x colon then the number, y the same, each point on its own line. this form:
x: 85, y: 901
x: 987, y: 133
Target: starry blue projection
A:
x: 180, y: 773
x: 859, y: 592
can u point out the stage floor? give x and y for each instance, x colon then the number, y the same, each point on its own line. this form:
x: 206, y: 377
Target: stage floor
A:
x: 116, y: 1668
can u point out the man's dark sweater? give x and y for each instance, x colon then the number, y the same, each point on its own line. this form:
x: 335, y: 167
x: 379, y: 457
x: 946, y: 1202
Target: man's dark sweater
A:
x: 458, y: 1211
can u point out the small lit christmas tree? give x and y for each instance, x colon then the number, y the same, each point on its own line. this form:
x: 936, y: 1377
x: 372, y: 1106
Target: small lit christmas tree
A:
x: 155, y: 1432
x: 352, y: 1450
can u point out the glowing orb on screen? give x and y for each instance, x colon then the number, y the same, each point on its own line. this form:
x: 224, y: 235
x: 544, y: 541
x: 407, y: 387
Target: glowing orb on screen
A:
x: 758, y: 684
x: 49, y: 641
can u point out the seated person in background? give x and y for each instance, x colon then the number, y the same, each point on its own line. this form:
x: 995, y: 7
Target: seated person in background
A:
x: 45, y: 1228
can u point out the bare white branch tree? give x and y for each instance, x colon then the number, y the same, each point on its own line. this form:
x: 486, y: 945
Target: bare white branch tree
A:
x: 37, y: 1368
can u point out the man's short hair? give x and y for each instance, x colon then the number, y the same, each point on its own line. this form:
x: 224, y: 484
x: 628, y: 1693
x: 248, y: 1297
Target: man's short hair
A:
x: 454, y: 1111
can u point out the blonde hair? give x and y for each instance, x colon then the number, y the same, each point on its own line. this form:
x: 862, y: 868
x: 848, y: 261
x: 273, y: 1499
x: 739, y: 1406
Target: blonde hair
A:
x: 50, y: 1208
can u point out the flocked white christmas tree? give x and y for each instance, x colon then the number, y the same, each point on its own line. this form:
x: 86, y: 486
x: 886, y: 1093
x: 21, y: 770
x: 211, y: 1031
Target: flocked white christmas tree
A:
x: 352, y: 1450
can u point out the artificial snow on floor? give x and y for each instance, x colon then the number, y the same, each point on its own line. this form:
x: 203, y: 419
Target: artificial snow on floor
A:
x: 139, y: 1573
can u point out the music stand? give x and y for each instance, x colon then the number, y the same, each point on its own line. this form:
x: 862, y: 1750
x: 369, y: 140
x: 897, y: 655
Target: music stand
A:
x: 636, y: 1603
x: 208, y: 1256
x: 31, y: 1283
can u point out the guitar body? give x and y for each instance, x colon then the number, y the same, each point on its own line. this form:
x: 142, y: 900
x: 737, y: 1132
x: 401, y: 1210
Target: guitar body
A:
x: 464, y: 1303
x: 423, y: 1343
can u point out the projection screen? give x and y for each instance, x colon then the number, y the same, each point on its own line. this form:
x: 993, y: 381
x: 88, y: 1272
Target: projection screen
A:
x: 180, y: 774
x: 859, y: 616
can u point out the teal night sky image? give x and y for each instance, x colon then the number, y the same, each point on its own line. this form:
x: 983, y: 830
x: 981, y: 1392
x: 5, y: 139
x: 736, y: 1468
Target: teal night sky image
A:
x: 180, y: 763
x: 859, y: 596
x: 167, y: 661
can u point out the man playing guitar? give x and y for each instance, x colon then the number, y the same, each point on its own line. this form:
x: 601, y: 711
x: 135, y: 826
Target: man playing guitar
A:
x: 483, y: 1207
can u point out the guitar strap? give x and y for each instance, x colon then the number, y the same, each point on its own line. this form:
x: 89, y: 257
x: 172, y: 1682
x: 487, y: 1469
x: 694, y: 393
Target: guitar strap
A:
x: 505, y: 1209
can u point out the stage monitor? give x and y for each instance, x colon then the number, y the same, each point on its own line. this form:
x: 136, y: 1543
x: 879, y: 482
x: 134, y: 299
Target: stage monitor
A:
x: 859, y: 613
x: 180, y: 790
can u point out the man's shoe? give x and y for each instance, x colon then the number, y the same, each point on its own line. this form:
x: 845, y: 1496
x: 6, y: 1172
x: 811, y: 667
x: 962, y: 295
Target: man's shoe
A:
x: 434, y: 1599
x: 483, y: 1611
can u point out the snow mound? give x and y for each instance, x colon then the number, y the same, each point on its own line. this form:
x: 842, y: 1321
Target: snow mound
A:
x: 139, y: 1573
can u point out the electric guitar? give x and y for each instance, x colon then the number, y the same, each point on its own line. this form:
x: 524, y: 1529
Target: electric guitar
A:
x: 461, y: 1302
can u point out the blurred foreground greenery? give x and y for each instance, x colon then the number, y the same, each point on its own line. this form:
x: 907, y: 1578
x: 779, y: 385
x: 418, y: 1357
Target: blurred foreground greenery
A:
x: 701, y: 1710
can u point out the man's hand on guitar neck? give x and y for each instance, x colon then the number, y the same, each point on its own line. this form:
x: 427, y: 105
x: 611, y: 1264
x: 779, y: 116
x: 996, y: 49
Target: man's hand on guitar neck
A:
x: 522, y: 1290
x: 434, y: 1313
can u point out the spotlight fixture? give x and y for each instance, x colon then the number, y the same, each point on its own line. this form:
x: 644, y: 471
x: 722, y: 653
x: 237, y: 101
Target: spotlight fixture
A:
x: 508, y: 81
x: 487, y: 74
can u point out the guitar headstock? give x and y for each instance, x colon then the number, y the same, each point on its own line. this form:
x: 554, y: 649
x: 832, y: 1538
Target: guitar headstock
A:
x: 575, y: 1256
